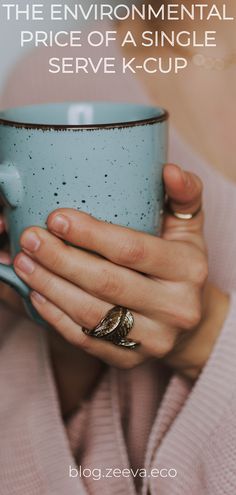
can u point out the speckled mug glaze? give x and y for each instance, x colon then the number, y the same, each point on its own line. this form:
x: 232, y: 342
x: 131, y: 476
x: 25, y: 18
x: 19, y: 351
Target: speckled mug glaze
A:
x: 102, y: 158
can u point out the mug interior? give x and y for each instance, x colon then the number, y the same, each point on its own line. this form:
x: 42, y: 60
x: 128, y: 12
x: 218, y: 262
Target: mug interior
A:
x: 82, y: 115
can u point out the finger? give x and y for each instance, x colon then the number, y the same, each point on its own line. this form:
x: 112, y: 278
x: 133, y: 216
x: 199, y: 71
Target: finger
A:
x: 83, y: 309
x: 71, y: 331
x: 184, y: 192
x: 101, y: 278
x: 184, y: 189
x: 95, y: 275
x: 125, y: 247
x: 154, y: 342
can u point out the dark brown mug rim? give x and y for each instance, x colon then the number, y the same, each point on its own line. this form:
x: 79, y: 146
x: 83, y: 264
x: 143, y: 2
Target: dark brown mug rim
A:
x: 58, y: 127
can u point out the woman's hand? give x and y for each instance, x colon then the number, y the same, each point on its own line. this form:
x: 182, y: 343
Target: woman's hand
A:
x: 161, y: 280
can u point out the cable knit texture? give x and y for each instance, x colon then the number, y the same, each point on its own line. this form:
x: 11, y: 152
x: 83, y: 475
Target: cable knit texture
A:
x: 135, y: 419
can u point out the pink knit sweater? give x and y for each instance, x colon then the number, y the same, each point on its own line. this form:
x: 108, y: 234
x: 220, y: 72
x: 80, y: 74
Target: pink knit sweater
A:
x: 178, y: 442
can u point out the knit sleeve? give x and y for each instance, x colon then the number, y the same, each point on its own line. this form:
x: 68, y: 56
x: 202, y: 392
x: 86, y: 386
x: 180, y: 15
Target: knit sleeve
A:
x: 200, y: 441
x: 216, y: 385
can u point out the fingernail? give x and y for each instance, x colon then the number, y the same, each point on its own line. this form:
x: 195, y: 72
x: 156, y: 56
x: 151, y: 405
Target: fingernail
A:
x: 38, y: 298
x: 25, y: 264
x: 59, y: 224
x: 30, y: 241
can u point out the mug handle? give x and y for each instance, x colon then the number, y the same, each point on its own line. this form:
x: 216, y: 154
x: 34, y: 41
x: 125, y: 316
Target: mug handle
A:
x: 8, y: 275
x: 11, y: 192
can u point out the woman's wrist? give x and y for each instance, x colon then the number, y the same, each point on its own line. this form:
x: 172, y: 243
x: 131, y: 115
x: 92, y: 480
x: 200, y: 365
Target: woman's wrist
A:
x: 193, y: 352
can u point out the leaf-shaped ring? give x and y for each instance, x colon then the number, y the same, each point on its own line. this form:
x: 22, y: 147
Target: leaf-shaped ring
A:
x: 115, y: 327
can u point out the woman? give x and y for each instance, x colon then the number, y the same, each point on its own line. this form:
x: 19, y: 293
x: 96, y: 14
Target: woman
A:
x: 172, y: 414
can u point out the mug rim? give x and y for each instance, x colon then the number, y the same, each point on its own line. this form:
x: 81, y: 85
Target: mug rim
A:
x: 164, y: 116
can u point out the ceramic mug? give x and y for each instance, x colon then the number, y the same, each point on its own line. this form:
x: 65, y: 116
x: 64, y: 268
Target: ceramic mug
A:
x: 102, y: 158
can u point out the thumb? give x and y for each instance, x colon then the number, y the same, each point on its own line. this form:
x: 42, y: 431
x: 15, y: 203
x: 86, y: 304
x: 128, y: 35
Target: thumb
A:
x: 184, y: 189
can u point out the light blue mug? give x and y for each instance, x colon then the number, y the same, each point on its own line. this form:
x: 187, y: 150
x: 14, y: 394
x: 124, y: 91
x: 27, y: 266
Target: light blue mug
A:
x: 102, y: 158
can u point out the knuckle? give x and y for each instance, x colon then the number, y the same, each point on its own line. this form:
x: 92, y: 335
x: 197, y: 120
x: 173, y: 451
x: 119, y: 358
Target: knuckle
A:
x: 132, y: 252
x: 190, y: 318
x: 57, y: 259
x: 57, y: 319
x: 108, y: 284
x: 163, y: 348
x: 187, y: 313
x: 46, y: 284
x: 200, y: 271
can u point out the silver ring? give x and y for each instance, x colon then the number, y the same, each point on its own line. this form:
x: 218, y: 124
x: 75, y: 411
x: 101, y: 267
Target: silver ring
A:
x: 182, y: 216
x: 115, y: 327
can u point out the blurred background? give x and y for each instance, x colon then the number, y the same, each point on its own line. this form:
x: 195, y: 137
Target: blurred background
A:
x: 24, y: 72
x: 10, y: 50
